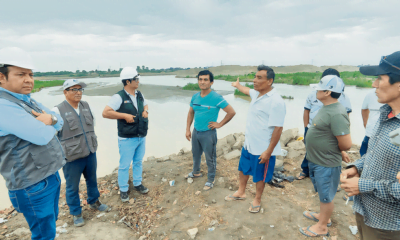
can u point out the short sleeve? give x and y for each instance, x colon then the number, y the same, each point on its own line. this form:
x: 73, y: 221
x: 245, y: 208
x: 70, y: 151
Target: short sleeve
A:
x: 340, y: 125
x: 221, y: 102
x: 308, y: 102
x: 144, y: 100
x: 365, y: 102
x: 191, y: 102
x: 345, y: 101
x: 277, y: 114
x: 253, y: 93
x: 115, y: 102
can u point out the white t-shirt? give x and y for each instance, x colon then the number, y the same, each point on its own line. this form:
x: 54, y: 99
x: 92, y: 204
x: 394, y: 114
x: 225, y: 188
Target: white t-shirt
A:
x: 371, y: 103
x: 265, y: 113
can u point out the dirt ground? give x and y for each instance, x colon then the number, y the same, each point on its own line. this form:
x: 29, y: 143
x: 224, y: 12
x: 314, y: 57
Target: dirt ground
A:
x: 167, y: 212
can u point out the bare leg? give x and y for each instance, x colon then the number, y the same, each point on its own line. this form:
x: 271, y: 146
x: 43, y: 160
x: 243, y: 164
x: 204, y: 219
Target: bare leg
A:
x: 242, y: 185
x: 324, y: 215
x: 260, y: 185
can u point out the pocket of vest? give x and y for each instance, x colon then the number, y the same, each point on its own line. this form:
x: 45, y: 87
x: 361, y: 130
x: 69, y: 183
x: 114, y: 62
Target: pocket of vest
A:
x: 94, y: 140
x: 88, y: 118
x: 73, y: 147
x: 40, y: 156
x: 72, y: 123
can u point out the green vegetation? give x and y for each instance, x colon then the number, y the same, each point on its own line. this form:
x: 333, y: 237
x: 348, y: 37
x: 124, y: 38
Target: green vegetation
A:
x: 192, y: 87
x: 304, y: 78
x: 43, y: 84
x: 239, y: 93
x: 144, y: 69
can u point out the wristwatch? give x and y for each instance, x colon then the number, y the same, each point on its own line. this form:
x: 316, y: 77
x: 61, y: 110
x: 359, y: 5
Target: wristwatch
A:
x: 54, y: 120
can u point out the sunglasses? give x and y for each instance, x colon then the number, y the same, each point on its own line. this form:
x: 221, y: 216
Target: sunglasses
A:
x: 135, y: 78
x: 75, y: 90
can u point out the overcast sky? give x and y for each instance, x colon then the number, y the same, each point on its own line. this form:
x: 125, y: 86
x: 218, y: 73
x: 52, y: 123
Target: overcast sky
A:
x: 88, y: 34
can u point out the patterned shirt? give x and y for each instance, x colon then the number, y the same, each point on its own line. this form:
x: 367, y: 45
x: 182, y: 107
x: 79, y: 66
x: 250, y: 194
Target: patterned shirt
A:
x: 379, y: 198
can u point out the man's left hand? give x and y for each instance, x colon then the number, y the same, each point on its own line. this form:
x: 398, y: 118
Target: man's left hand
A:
x: 265, y: 156
x: 214, y: 125
x: 350, y: 186
x: 145, y: 114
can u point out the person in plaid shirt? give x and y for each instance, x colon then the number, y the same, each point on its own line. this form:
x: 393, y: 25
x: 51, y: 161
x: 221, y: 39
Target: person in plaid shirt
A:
x: 372, y: 179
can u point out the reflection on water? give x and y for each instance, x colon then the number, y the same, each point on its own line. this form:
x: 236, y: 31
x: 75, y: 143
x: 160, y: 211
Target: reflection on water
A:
x: 168, y: 118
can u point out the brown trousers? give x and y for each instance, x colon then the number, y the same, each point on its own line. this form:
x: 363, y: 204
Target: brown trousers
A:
x: 369, y: 233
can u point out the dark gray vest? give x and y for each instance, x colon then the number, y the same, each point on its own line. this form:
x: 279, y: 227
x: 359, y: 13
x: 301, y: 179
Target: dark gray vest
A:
x: 77, y: 136
x: 23, y: 163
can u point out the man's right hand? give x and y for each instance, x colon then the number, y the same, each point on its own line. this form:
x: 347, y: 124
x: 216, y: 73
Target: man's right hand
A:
x: 43, y: 117
x: 188, y: 135
x: 236, y: 84
x: 129, y: 118
x: 349, y: 173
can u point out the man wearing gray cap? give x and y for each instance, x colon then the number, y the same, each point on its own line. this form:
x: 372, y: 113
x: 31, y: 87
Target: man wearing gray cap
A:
x: 328, y: 136
x: 79, y: 142
x: 372, y: 178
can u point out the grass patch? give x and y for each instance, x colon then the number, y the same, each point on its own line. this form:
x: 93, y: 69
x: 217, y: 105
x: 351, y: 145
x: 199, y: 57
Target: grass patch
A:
x: 192, y: 87
x: 43, y: 84
x: 304, y: 78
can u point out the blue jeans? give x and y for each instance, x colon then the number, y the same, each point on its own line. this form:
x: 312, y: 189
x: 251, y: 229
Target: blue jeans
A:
x: 205, y: 142
x: 304, y: 164
x: 39, y: 204
x: 72, y: 173
x: 364, y: 146
x: 132, y: 151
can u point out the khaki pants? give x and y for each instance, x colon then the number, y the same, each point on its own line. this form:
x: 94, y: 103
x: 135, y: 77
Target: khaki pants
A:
x: 369, y: 233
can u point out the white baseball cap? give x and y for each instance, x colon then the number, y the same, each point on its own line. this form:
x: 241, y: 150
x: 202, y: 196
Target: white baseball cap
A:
x: 331, y: 83
x: 128, y: 73
x: 73, y: 82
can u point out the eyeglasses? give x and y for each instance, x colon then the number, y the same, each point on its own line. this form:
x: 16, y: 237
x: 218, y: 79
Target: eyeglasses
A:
x: 383, y: 59
x: 135, y: 78
x: 75, y: 90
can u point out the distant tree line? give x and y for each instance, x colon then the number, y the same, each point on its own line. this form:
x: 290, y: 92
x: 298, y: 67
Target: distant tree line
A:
x: 144, y: 69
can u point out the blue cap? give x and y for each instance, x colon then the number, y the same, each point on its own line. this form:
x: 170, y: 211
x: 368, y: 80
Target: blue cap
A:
x: 388, y: 64
x: 330, y: 83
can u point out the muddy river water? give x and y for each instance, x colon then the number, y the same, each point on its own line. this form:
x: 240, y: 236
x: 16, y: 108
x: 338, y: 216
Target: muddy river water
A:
x: 168, y: 108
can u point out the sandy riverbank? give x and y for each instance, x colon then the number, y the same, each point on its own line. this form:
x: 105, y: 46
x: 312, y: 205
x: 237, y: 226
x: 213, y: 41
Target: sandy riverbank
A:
x: 168, y: 212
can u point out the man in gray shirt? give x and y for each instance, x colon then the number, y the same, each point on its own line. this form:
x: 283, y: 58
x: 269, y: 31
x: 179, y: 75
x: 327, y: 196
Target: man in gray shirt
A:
x: 329, y: 134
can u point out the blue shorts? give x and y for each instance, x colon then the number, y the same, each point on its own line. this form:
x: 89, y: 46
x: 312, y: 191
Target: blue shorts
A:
x: 325, y: 181
x: 249, y: 165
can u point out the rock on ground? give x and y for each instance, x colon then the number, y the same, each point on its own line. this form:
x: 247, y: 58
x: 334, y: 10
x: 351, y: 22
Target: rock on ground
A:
x: 192, y: 232
x: 234, y: 154
x: 288, y: 135
x: 297, y: 145
x: 21, y: 232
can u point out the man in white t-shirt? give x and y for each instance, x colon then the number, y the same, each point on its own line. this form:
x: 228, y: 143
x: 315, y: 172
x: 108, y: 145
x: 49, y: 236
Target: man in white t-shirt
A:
x: 370, y: 114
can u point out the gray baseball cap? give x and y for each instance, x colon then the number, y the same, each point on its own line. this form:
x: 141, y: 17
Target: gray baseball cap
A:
x: 73, y: 82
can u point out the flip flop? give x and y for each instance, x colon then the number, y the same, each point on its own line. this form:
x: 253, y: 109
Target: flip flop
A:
x: 314, y: 218
x: 316, y: 234
x: 191, y: 175
x: 208, y: 186
x: 233, y: 198
x: 254, y: 211
x: 302, y: 174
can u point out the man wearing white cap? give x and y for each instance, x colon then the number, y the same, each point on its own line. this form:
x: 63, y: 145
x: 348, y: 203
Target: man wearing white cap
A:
x: 130, y: 109
x: 79, y: 142
x: 30, y: 154
x: 328, y: 135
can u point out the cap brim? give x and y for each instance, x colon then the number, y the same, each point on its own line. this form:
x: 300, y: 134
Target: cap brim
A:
x: 373, y: 70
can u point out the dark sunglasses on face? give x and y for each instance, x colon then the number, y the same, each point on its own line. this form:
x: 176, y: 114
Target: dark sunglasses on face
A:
x: 75, y: 90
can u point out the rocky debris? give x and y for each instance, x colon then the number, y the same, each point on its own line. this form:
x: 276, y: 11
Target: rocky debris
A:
x: 132, y: 201
x: 221, y: 180
x: 234, y: 154
x: 278, y: 163
x: 198, y: 192
x: 288, y: 135
x: 163, y: 180
x: 192, y: 232
x: 152, y: 158
x: 21, y: 232
x: 214, y: 222
x: 296, y: 145
x: 100, y: 215
x: 163, y: 159
x: 143, y: 237
x: 214, y: 201
x: 184, y: 151
x: 292, y: 153
x: 230, y: 139
x: 353, y: 229
x: 190, y: 180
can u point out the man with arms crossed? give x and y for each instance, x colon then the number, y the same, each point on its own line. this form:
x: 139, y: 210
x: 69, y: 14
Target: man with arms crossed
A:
x: 263, y: 130
x: 204, y: 109
x: 30, y: 153
x: 372, y: 178
x: 79, y: 142
x: 130, y: 109
x: 328, y: 135
x: 313, y: 105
